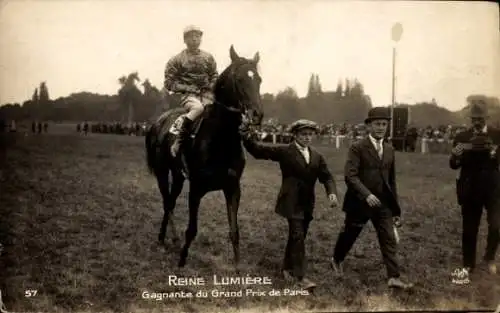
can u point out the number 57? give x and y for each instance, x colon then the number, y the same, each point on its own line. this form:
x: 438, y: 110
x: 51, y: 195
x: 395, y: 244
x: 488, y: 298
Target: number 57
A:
x: 30, y: 293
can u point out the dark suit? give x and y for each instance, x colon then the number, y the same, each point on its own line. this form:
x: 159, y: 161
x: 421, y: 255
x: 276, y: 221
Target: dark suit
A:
x: 478, y: 186
x: 296, y: 197
x: 366, y: 173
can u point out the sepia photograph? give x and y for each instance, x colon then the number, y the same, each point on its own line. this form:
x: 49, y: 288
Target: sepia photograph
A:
x: 249, y: 156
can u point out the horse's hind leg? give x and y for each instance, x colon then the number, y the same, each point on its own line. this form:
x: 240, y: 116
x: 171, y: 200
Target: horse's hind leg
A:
x: 177, y: 184
x: 165, y: 194
x: 233, y: 195
x: 169, y: 196
x: 192, y: 229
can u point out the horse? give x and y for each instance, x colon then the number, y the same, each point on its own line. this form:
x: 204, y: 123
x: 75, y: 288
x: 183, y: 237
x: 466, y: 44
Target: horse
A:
x: 215, y: 157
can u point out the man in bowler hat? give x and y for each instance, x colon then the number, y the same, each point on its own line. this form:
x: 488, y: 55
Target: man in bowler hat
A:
x: 301, y: 166
x: 371, y: 195
x: 475, y: 152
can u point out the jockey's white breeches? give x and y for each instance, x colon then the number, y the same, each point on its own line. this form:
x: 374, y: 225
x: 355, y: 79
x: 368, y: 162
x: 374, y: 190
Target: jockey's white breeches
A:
x: 195, y: 105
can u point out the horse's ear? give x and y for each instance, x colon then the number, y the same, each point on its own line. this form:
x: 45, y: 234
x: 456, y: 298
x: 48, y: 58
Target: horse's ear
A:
x: 256, y: 57
x: 233, y: 54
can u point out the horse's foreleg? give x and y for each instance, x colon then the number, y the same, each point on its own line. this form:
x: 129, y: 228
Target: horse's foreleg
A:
x: 192, y: 229
x: 233, y: 196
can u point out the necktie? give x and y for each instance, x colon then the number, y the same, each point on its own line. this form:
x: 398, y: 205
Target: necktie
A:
x: 305, y: 154
x: 379, y: 149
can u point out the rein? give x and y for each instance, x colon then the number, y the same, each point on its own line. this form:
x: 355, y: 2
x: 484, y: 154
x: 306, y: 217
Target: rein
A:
x: 241, y: 108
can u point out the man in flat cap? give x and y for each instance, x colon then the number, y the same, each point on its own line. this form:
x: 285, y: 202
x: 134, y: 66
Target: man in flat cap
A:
x: 192, y: 73
x: 475, y: 152
x: 371, y: 195
x: 301, y: 166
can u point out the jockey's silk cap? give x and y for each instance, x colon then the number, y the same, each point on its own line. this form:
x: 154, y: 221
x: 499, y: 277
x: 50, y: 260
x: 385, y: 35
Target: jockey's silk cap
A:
x: 478, y: 109
x: 192, y: 28
x: 303, y: 124
x: 378, y: 113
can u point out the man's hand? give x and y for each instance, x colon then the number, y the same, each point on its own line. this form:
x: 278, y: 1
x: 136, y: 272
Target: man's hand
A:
x: 458, y: 150
x: 244, y: 128
x: 334, y: 202
x: 396, y: 221
x: 373, y: 201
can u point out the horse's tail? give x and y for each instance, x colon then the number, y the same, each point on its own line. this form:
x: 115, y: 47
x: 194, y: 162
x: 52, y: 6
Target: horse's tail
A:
x: 151, y: 144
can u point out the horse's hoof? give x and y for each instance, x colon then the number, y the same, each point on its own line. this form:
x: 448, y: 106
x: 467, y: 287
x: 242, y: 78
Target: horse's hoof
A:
x: 182, y: 263
x: 161, y: 239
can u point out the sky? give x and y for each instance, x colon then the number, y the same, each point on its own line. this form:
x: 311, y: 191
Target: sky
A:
x: 447, y: 51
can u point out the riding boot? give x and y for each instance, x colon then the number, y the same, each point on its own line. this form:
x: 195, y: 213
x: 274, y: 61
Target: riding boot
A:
x: 184, y: 140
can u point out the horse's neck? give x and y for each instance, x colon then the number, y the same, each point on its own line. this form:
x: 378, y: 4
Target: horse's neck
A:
x: 221, y: 131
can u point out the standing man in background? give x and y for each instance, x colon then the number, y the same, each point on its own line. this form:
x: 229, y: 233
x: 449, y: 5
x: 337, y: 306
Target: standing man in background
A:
x: 191, y: 73
x: 475, y: 152
x: 370, y: 174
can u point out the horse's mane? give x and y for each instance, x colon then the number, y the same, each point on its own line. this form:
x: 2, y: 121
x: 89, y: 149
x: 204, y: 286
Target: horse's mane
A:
x: 222, y: 80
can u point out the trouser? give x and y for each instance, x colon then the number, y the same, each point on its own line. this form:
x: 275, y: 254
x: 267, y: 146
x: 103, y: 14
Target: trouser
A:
x: 471, y: 219
x: 195, y: 104
x: 295, y: 251
x: 381, y: 219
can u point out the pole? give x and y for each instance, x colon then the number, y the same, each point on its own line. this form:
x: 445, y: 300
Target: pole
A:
x: 393, y: 91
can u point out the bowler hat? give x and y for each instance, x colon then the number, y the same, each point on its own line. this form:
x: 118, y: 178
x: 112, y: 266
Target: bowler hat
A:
x: 478, y: 109
x: 303, y: 124
x: 378, y: 113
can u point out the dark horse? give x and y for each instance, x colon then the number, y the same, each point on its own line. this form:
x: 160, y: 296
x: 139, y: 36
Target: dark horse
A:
x: 215, y: 158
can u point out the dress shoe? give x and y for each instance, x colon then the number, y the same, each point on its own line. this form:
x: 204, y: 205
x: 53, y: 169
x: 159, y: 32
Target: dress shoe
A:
x: 337, y: 267
x: 492, y: 267
x: 306, y: 284
x: 398, y: 283
x: 288, y: 276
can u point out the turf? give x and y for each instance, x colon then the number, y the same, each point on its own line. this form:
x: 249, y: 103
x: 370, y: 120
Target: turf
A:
x: 80, y: 216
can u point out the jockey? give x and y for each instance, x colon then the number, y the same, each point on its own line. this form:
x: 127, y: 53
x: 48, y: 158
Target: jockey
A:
x: 191, y: 73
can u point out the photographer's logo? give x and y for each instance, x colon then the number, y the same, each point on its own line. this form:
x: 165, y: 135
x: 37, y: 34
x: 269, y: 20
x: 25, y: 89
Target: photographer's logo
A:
x: 460, y: 276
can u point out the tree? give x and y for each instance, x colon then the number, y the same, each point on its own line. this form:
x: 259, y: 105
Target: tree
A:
x: 314, y: 88
x: 153, y: 102
x: 34, y: 98
x: 44, y: 93
x: 339, y: 91
x: 129, y: 95
x: 347, y: 88
x: 357, y: 90
x: 289, y: 103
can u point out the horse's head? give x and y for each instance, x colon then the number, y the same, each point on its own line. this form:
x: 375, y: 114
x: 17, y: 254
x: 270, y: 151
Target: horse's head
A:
x: 240, y: 83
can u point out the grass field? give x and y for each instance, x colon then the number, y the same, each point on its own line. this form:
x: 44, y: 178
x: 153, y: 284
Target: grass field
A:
x: 80, y: 217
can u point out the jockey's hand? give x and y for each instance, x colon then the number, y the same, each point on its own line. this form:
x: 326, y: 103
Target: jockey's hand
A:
x: 334, y: 202
x: 373, y: 201
x: 458, y: 150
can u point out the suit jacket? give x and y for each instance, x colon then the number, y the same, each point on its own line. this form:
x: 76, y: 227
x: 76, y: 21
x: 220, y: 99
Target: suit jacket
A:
x: 365, y: 174
x: 479, y: 177
x: 296, y: 197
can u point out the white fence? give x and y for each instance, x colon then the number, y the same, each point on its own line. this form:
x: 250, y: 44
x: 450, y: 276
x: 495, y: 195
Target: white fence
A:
x: 423, y: 145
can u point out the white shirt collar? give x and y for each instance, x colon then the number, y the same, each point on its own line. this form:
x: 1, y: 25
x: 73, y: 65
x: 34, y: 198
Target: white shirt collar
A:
x: 483, y: 131
x: 301, y: 148
x: 375, y: 141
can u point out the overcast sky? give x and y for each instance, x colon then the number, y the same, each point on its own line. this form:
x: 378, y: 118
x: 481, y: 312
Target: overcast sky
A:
x: 448, y: 50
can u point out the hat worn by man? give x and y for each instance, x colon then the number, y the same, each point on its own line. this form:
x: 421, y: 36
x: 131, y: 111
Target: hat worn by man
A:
x: 303, y: 124
x: 378, y: 113
x: 478, y: 110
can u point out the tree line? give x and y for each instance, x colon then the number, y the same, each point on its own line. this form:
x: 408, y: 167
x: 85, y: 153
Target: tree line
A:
x: 347, y: 104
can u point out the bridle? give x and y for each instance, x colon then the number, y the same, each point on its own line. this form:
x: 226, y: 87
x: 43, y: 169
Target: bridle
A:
x: 242, y: 108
